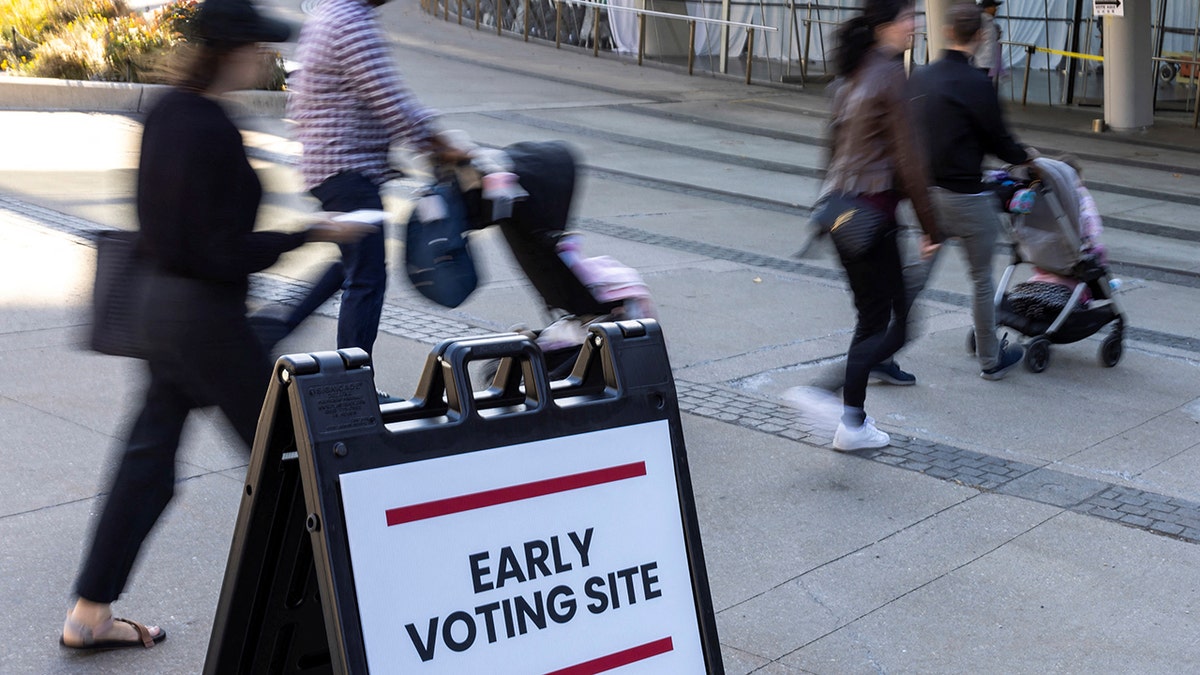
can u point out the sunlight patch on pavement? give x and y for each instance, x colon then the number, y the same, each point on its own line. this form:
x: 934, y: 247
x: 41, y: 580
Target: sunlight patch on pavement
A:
x: 91, y: 142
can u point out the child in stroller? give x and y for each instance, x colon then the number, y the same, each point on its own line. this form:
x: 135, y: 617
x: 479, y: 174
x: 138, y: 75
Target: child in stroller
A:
x: 1069, y: 297
x: 1090, y: 229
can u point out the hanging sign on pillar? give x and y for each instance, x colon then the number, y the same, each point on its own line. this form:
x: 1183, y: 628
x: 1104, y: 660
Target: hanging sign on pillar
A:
x: 1108, y: 8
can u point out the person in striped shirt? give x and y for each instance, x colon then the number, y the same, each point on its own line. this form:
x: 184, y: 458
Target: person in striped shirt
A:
x: 350, y: 104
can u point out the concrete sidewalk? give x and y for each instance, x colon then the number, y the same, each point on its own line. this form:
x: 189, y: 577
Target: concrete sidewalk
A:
x: 1045, y: 523
x: 818, y: 562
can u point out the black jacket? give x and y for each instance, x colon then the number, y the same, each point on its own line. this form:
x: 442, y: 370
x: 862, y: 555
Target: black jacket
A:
x: 198, y: 197
x: 959, y: 117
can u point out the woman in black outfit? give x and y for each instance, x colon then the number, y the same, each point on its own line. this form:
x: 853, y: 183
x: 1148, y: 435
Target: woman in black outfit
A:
x: 197, y: 198
x: 874, y: 155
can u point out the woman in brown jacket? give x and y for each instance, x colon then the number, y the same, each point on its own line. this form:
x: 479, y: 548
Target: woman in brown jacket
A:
x: 875, y: 156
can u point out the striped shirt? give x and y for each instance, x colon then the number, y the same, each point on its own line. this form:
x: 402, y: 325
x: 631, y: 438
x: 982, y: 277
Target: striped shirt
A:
x: 349, y: 101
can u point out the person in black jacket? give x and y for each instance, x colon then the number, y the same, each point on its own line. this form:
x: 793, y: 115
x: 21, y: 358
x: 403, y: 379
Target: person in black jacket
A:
x: 197, y: 199
x: 959, y: 115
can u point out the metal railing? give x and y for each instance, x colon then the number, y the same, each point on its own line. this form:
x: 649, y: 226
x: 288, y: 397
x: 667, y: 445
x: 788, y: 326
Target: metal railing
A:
x: 1030, y: 50
x: 1195, y: 76
x: 1174, y: 61
x: 808, y: 23
x: 431, y: 7
x: 523, y: 12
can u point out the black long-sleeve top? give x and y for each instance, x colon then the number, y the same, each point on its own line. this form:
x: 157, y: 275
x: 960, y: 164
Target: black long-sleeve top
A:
x: 198, y: 197
x: 959, y: 116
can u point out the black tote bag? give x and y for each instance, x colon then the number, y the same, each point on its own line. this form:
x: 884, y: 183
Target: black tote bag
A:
x: 854, y: 224
x: 117, y: 296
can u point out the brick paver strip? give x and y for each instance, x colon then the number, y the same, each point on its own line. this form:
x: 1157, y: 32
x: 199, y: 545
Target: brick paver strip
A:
x: 1157, y: 513
x: 1160, y: 514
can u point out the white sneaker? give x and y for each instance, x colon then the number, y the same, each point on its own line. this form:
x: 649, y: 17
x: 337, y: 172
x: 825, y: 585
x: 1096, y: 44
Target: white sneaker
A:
x: 867, y: 436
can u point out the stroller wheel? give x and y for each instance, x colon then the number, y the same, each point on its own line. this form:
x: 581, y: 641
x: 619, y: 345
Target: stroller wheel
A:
x: 1110, y: 351
x: 970, y: 340
x: 1037, y: 355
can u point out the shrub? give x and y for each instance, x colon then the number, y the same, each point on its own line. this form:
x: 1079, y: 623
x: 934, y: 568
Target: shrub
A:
x: 26, y: 18
x: 72, y: 53
x: 59, y: 58
x: 66, y: 11
x: 179, y: 18
x: 276, y: 77
x: 18, y: 20
x: 99, y: 40
x: 55, y: 39
x: 134, y: 48
x: 12, y: 62
x: 33, y: 18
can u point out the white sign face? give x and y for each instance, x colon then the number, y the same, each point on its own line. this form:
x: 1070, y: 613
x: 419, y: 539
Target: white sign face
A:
x: 558, y: 556
x: 1108, y: 8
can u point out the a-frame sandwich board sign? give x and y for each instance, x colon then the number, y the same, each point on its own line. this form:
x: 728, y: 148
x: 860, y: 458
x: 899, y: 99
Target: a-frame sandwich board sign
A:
x: 525, y: 526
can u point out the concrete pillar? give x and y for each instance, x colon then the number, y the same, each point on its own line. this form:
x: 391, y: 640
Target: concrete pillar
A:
x: 935, y: 19
x: 1129, y: 69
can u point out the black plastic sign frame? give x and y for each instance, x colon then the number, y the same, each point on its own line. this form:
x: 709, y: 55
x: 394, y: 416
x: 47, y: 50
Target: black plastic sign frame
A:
x: 289, y: 602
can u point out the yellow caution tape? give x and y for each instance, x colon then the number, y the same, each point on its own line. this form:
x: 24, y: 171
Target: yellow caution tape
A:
x: 1088, y: 57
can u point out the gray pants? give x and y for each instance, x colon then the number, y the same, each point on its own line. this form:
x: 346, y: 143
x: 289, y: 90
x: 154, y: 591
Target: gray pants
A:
x: 973, y: 219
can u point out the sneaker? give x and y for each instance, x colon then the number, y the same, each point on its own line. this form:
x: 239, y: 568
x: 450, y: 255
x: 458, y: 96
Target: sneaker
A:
x: 890, y: 373
x: 1009, y: 357
x: 385, y: 397
x: 861, y: 438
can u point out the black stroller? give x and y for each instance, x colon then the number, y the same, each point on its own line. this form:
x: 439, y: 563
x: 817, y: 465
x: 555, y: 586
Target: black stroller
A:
x: 534, y: 227
x: 536, y: 233
x: 1049, y: 238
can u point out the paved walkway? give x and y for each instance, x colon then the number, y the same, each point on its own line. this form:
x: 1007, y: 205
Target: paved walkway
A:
x: 1044, y: 523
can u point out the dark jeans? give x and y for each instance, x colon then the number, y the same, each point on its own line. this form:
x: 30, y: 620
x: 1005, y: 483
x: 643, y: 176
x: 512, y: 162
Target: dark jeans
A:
x: 881, y: 299
x: 202, y: 353
x: 366, y: 269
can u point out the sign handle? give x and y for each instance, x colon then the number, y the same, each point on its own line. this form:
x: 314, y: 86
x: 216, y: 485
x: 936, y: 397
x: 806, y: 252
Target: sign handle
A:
x: 521, y: 383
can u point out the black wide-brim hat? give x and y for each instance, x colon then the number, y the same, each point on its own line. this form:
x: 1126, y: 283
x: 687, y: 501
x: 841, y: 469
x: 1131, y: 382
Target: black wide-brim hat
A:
x: 984, y: 4
x: 236, y: 22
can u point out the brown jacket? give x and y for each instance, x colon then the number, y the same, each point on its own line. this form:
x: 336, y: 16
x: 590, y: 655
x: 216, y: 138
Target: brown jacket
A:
x: 874, y: 140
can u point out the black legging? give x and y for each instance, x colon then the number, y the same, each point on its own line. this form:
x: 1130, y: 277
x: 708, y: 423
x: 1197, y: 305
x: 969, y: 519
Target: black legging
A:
x: 877, y: 281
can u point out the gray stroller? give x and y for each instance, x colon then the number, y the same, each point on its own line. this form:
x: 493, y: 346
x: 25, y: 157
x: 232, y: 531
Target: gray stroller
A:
x: 1049, y: 238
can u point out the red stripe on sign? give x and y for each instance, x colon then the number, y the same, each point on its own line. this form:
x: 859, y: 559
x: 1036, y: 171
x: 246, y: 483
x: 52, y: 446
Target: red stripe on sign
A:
x: 622, y: 658
x: 513, y: 493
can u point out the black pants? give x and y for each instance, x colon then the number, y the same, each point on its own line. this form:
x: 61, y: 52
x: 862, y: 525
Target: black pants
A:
x: 202, y: 353
x: 881, y: 299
